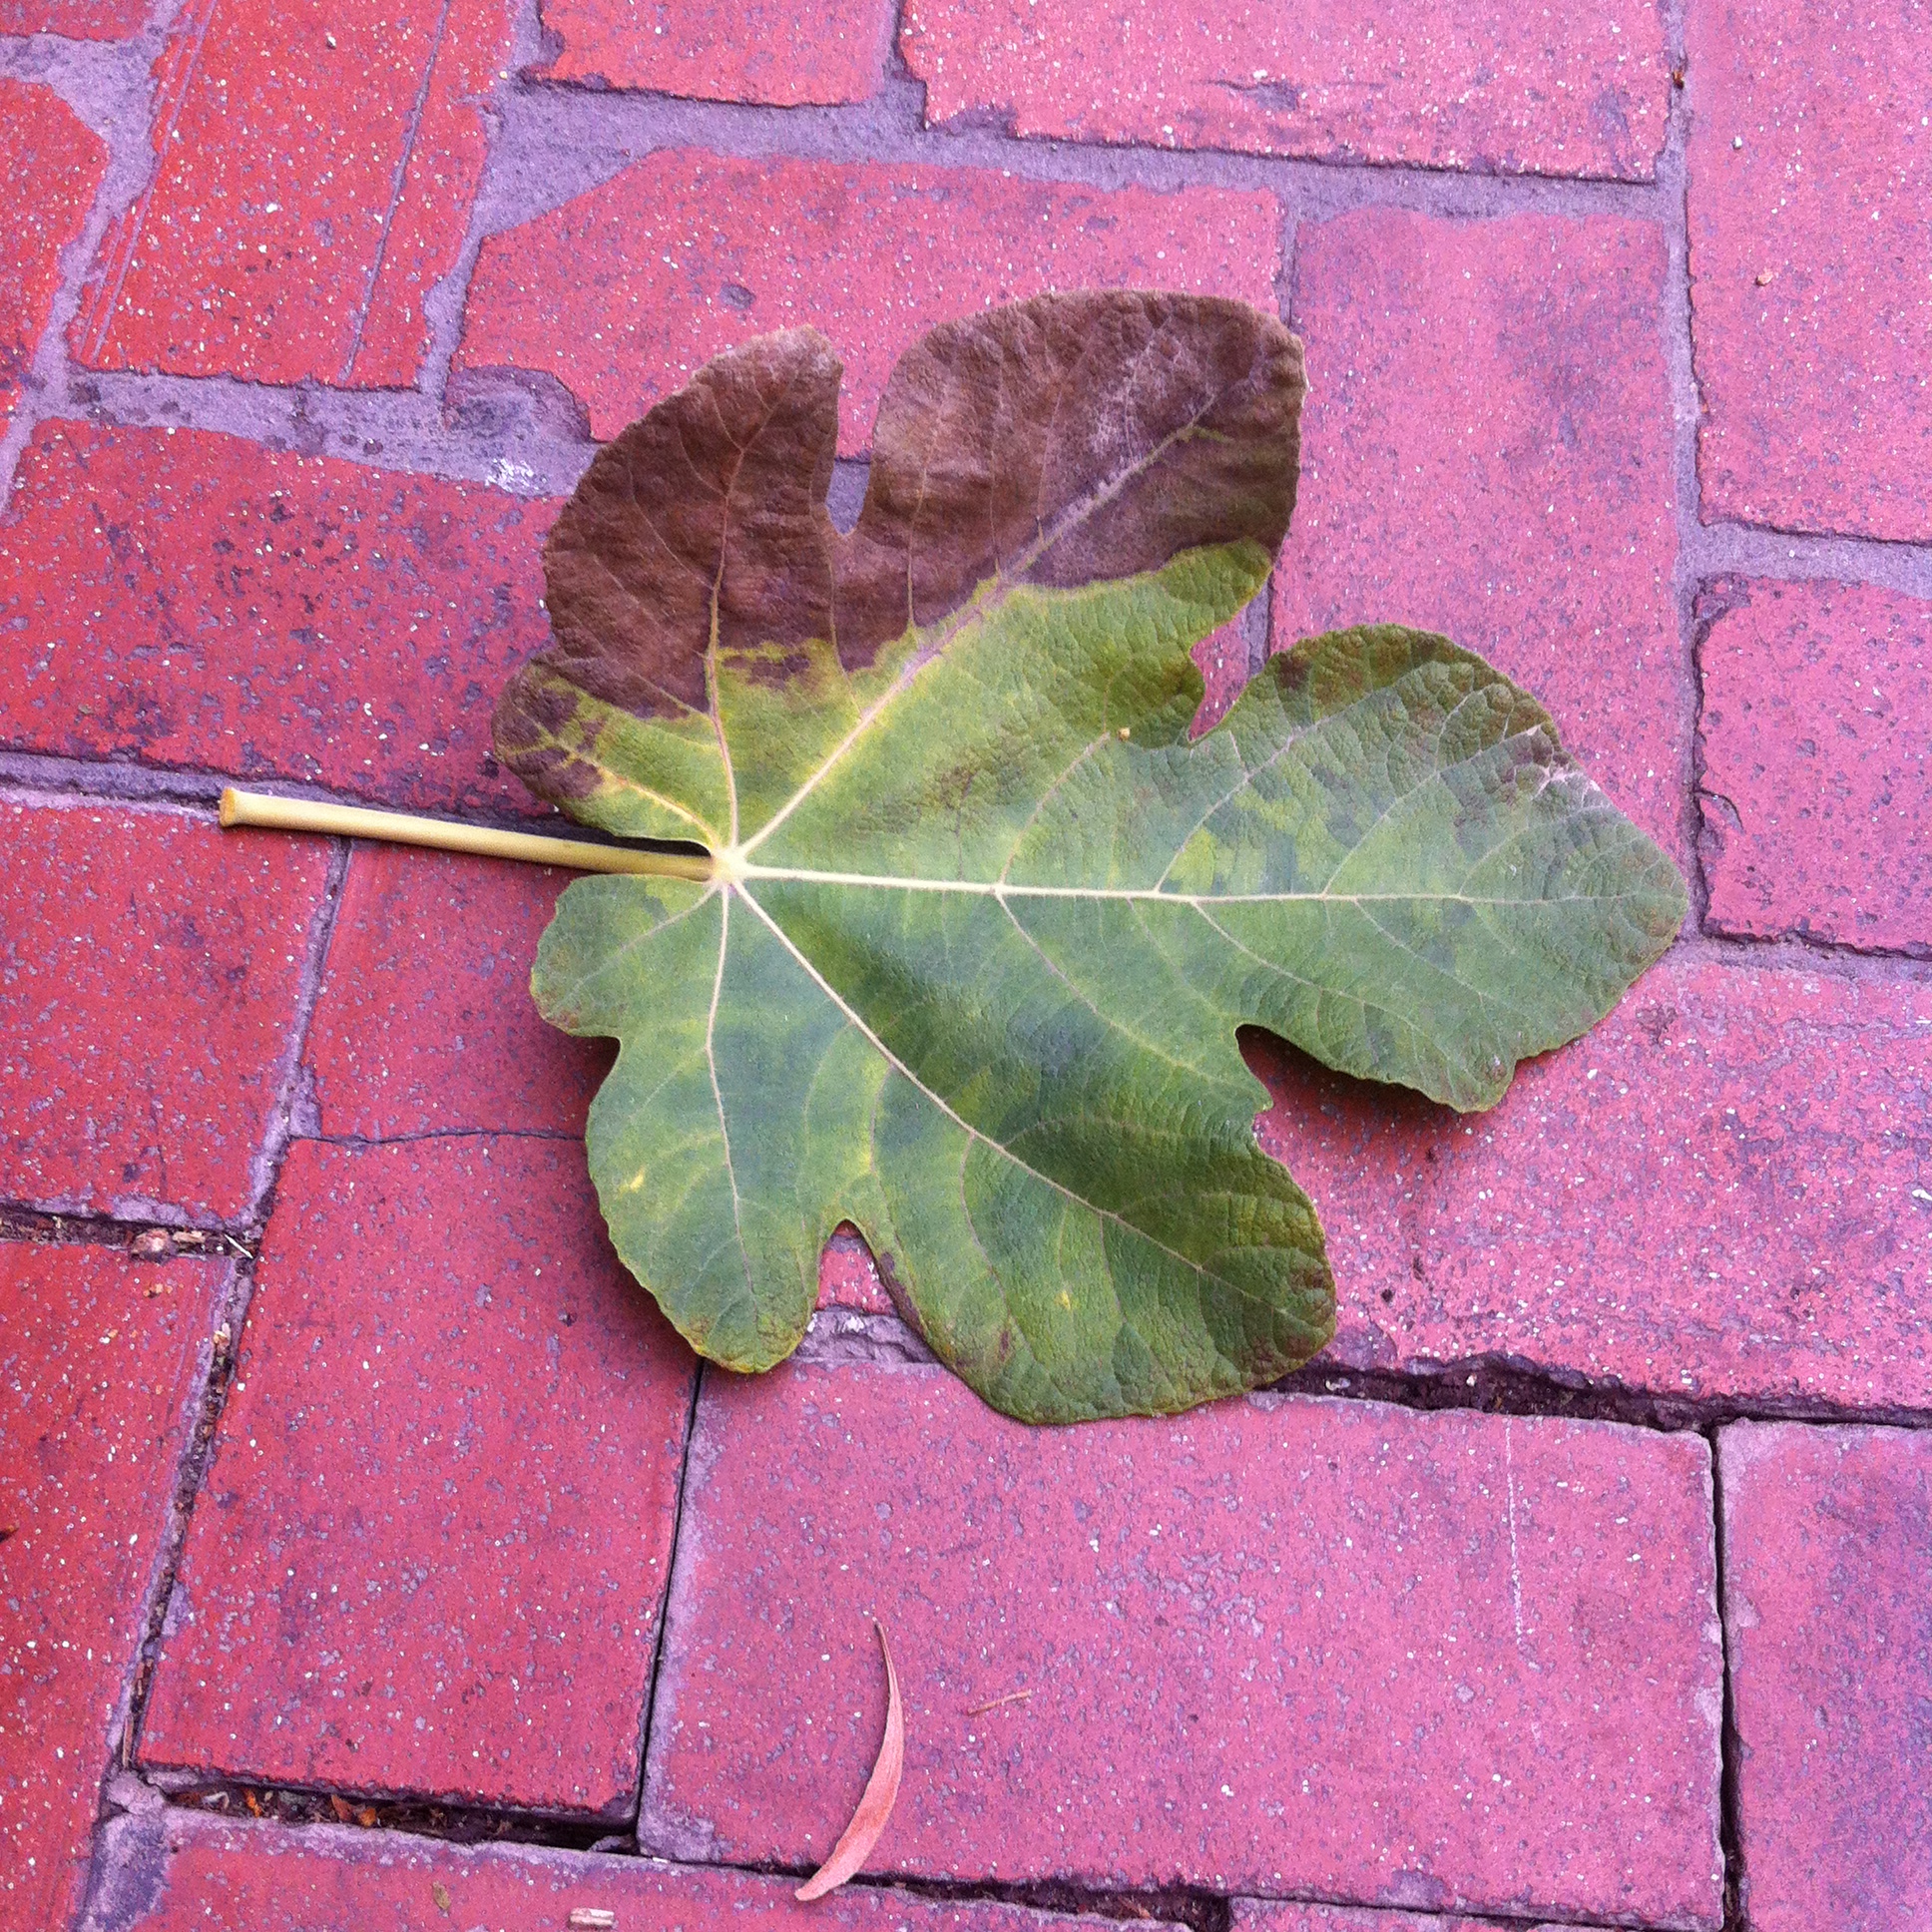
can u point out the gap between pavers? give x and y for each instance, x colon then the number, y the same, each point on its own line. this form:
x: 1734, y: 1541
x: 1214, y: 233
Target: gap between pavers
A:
x: 169, y: 1870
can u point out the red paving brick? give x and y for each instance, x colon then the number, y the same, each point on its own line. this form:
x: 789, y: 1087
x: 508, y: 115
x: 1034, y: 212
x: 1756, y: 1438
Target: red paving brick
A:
x: 175, y: 1871
x: 1827, y: 1548
x: 314, y: 165
x: 1717, y: 1194
x: 1811, y: 214
x: 429, y: 1554
x: 624, y: 291
x: 1817, y: 779
x: 1496, y: 88
x: 848, y: 1277
x: 425, y: 1021
x: 195, y: 601
x: 1487, y: 452
x: 783, y: 53
x: 72, y: 19
x: 149, y: 978
x: 100, y: 1375
x: 1277, y: 1646
x: 1255, y: 1915
x: 51, y: 163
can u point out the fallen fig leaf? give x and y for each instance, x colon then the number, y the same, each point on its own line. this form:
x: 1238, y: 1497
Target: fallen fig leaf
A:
x: 981, y: 921
x: 875, y: 1801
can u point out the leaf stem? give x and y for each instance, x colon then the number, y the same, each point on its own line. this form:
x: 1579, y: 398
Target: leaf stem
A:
x: 441, y: 834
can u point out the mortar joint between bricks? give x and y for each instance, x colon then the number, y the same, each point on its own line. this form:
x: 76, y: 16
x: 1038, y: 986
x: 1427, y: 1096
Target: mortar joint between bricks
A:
x: 1730, y: 1756
x: 224, y: 1343
x: 666, y: 1599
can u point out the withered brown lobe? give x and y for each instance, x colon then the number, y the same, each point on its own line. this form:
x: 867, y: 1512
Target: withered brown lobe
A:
x: 706, y: 520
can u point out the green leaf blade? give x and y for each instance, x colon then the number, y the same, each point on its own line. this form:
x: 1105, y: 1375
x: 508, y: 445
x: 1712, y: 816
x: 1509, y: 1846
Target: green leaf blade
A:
x: 987, y: 921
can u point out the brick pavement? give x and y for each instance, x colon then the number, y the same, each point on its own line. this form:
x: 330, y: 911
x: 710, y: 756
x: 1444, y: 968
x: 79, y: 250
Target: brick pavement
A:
x: 388, y: 1511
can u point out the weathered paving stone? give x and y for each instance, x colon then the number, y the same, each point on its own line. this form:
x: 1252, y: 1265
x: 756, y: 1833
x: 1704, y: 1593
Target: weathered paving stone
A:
x: 1810, y: 218
x: 175, y: 1873
x: 1828, y: 1551
x: 430, y: 1553
x: 425, y: 1022
x: 51, y: 163
x: 1488, y: 453
x: 150, y: 973
x: 195, y: 601
x: 1278, y: 1646
x: 1720, y: 1191
x: 848, y: 1277
x: 1255, y: 1915
x: 624, y: 291
x: 72, y: 19
x: 314, y: 165
x: 1817, y: 789
x: 101, y: 1367
x: 782, y: 53
x: 1579, y: 91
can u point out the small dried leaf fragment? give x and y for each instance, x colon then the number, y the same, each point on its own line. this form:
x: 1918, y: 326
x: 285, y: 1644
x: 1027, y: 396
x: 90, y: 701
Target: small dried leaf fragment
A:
x: 875, y: 1803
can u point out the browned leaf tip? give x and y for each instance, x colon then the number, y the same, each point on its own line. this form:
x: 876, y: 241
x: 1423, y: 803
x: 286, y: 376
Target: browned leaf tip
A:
x: 875, y: 1803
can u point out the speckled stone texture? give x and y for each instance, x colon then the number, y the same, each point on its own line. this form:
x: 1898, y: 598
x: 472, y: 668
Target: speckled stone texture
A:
x: 50, y: 163
x: 848, y: 1277
x: 1279, y: 1645
x: 1810, y: 209
x: 624, y: 291
x: 73, y: 19
x: 315, y: 166
x: 1488, y: 453
x: 432, y: 1546
x: 101, y: 1365
x: 1717, y: 1194
x: 1828, y: 1553
x: 194, y: 600
x: 425, y: 1022
x: 785, y: 53
x: 1255, y: 1915
x: 1817, y: 783
x: 1558, y: 91
x: 149, y: 978
x: 175, y: 1873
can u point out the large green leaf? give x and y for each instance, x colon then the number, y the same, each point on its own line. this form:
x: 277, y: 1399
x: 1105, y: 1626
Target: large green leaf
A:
x: 984, y: 922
